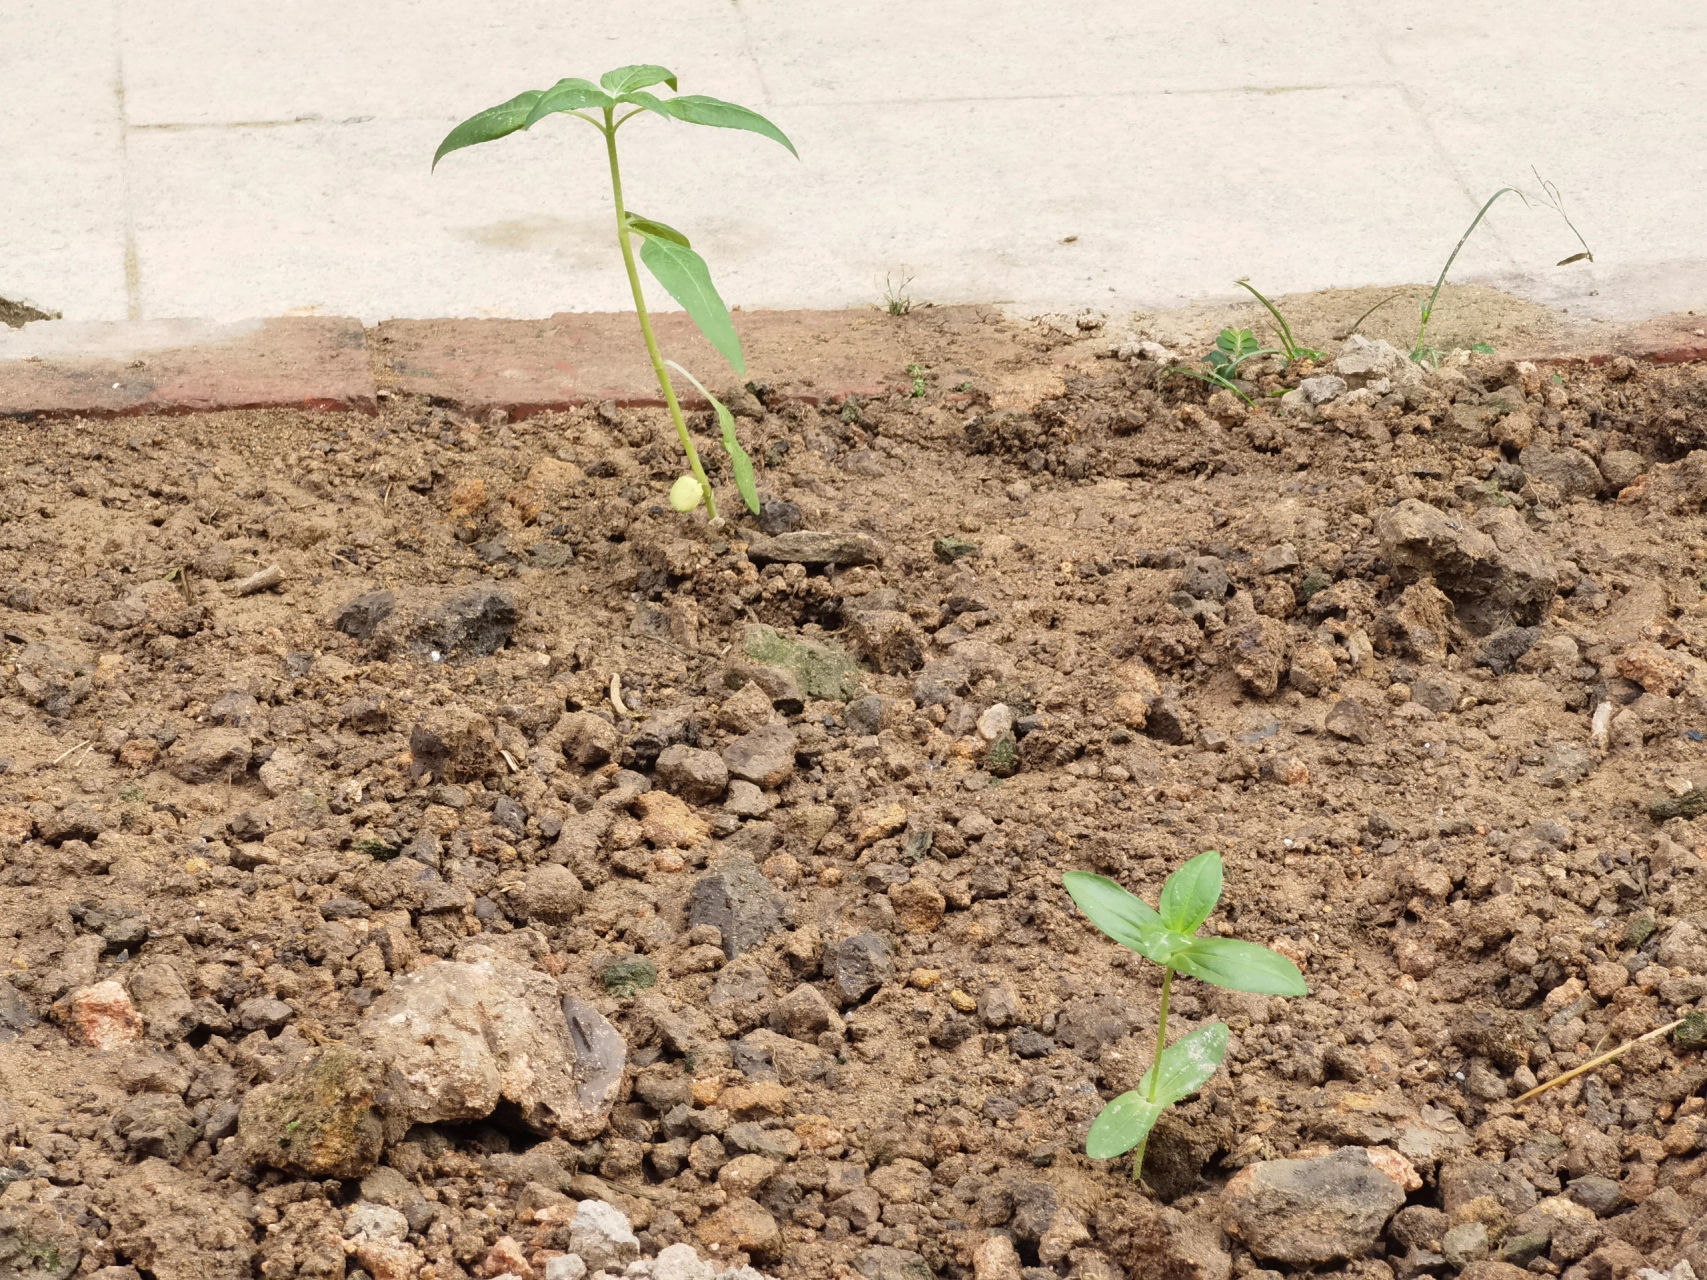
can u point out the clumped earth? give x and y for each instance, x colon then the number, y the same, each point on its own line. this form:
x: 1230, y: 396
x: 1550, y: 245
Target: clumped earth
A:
x: 417, y: 841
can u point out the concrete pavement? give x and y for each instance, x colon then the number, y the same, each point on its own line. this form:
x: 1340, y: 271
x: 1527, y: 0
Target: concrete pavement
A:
x: 236, y: 158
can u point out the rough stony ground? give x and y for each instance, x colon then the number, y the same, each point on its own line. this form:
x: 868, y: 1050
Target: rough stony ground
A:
x: 519, y: 843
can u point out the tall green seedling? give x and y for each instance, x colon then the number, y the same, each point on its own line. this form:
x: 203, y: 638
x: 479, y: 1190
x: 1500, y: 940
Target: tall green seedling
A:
x: 617, y: 98
x: 1168, y: 937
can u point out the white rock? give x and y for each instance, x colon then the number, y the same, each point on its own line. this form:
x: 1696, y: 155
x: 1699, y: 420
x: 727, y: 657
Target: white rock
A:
x: 1322, y: 388
x: 995, y: 721
x: 282, y: 772
x: 601, y: 1234
x: 568, y: 1266
x: 1369, y: 359
x: 364, y: 1221
x: 463, y: 1036
x: 680, y: 1262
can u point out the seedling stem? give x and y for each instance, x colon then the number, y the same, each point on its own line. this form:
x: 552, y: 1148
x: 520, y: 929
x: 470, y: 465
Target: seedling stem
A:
x: 609, y: 129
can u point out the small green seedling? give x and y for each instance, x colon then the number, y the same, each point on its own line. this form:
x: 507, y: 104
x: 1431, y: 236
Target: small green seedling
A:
x: 1288, y: 347
x: 1168, y: 936
x: 665, y: 251
x: 917, y: 373
x: 1549, y: 196
x: 1428, y: 355
x: 1232, y: 348
x: 897, y: 301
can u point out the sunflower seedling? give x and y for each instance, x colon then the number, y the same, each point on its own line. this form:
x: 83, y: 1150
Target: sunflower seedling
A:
x: 1168, y: 937
x: 617, y: 98
x: 1232, y: 348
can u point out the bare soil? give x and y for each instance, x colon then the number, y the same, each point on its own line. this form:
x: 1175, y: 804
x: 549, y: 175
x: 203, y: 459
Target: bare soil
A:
x: 1206, y: 629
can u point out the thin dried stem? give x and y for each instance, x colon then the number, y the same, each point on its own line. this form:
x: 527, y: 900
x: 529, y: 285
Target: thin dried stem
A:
x: 1601, y: 1061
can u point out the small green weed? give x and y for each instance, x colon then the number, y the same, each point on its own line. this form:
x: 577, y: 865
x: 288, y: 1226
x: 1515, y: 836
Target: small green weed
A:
x: 1232, y: 348
x: 1549, y: 196
x: 897, y: 301
x: 1288, y: 346
x: 917, y: 373
x: 130, y: 793
x: 664, y: 251
x: 1168, y: 937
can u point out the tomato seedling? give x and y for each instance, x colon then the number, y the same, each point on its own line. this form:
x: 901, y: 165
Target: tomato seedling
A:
x: 1168, y: 937
x: 617, y: 98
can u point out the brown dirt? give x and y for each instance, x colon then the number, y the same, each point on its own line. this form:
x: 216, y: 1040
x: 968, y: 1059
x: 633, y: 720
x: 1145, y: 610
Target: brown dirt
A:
x: 1199, y: 618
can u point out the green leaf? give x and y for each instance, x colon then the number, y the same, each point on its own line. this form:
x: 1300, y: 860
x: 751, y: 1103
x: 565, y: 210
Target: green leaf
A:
x: 650, y: 101
x: 1186, y: 1066
x: 739, y: 462
x: 1123, y: 1124
x: 570, y: 94
x: 1191, y: 893
x: 1123, y: 917
x: 1188, y: 1063
x: 623, y: 79
x: 658, y: 230
x: 684, y: 274
x: 1240, y: 966
x: 492, y: 123
x: 698, y: 109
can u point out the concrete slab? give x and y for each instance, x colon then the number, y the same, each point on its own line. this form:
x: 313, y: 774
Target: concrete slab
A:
x: 165, y: 157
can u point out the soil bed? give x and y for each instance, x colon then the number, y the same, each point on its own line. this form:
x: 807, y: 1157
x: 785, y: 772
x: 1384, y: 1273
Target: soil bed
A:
x: 785, y: 805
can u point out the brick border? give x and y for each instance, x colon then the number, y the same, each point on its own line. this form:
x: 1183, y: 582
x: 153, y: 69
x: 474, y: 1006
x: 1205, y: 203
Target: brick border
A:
x: 59, y: 369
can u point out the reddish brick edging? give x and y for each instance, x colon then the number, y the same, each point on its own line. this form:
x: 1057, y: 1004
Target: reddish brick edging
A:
x: 58, y: 369
x: 572, y: 359
x: 1671, y: 339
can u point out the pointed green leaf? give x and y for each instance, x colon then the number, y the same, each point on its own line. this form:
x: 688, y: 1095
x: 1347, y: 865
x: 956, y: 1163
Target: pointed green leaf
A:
x: 570, y: 94
x: 698, y: 109
x: 660, y: 230
x: 739, y: 462
x: 1186, y: 1067
x: 1240, y: 966
x: 1123, y: 917
x: 1123, y: 1124
x: 623, y: 79
x: 684, y: 274
x: 650, y: 101
x: 492, y: 123
x: 1191, y: 893
x: 1188, y: 1063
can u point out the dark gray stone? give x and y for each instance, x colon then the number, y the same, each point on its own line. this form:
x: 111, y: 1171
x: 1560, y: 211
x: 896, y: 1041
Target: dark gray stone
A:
x: 777, y: 516
x: 15, y: 1014
x: 738, y: 899
x: 806, y: 546
x: 508, y: 814
x: 360, y: 616
x: 1500, y: 651
x: 1206, y: 579
x: 1601, y: 1195
x: 859, y: 965
x: 1028, y: 1043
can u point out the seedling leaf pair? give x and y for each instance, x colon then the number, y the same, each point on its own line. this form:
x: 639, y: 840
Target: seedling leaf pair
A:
x: 1167, y: 935
x: 1186, y: 1066
x: 664, y: 251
